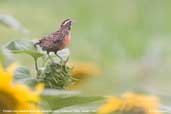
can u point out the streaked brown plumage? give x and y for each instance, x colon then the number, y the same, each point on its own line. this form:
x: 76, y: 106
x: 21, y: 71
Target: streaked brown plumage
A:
x: 58, y: 40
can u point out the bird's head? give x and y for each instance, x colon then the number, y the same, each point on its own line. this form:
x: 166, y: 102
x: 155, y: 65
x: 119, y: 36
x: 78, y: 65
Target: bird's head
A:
x: 66, y: 24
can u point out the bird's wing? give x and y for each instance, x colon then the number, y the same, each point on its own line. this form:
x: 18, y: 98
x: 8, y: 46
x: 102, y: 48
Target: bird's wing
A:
x: 57, y: 37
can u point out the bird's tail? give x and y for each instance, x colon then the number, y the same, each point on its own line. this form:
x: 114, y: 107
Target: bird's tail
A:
x: 37, y: 43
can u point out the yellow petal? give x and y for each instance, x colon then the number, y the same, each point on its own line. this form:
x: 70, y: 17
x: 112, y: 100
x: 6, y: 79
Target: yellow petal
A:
x: 39, y: 88
x: 112, y: 104
x: 11, y: 68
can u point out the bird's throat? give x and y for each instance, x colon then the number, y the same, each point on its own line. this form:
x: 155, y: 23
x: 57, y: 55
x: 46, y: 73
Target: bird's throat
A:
x: 67, y: 40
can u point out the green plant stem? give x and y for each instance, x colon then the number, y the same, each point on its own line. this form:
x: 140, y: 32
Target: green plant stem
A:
x: 36, y: 67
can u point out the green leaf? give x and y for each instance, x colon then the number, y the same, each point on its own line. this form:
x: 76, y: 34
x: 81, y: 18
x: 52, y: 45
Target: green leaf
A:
x: 21, y: 73
x: 24, y: 46
x: 32, y: 82
x: 6, y: 56
x: 58, y: 102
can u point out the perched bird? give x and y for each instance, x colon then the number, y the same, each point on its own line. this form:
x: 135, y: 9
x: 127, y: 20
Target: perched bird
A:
x: 57, y: 40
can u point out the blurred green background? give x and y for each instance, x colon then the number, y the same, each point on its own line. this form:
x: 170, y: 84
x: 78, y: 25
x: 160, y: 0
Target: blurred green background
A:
x: 128, y: 39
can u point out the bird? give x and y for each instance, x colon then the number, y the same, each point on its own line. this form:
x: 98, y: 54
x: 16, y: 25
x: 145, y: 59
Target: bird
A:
x: 57, y: 40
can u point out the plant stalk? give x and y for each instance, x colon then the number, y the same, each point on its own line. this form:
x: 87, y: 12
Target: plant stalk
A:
x: 36, y: 67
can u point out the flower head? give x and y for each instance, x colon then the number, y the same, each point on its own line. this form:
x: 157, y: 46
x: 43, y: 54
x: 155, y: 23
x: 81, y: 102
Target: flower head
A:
x: 84, y: 70
x: 81, y: 72
x: 16, y: 96
x: 131, y: 102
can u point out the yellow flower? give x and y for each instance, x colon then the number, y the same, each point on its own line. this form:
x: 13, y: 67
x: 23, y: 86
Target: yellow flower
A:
x: 17, y: 97
x: 81, y: 72
x: 131, y: 103
x: 113, y: 104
